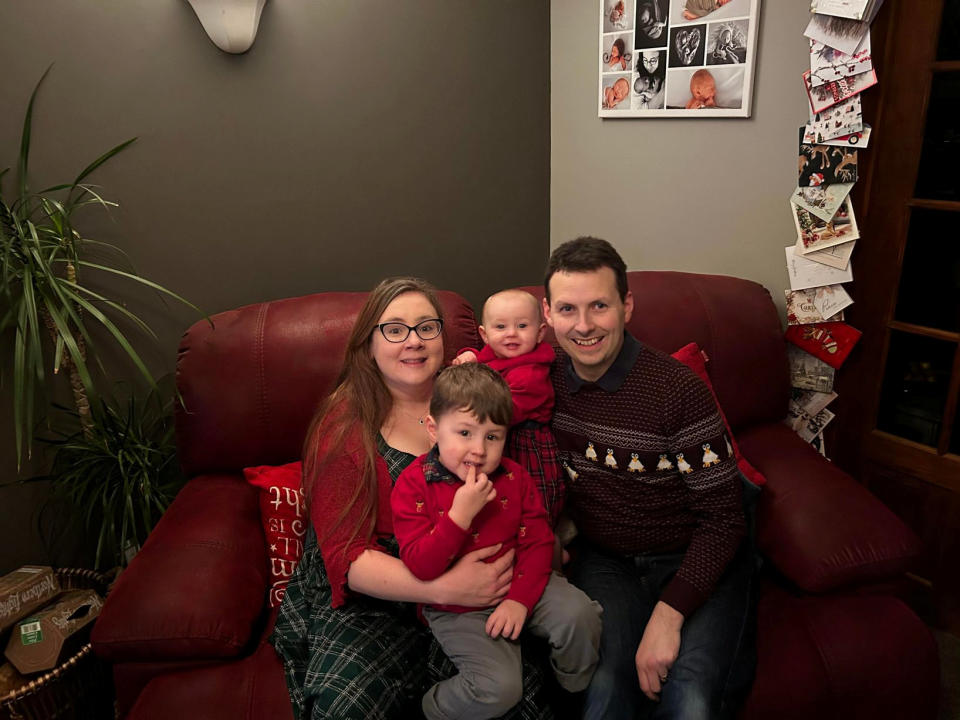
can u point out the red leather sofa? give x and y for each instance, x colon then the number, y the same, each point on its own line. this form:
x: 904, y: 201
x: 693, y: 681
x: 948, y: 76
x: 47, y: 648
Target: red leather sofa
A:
x: 186, y: 624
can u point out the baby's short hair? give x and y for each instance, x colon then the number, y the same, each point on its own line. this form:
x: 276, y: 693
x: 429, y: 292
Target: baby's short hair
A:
x: 516, y: 292
x: 476, y: 388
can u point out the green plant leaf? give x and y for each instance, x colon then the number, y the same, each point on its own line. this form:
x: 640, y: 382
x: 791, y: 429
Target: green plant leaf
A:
x: 97, y: 198
x: 148, y: 283
x: 21, y: 424
x: 97, y: 163
x: 118, y: 335
x: 78, y: 289
x: 25, y: 137
x: 58, y: 355
x: 31, y: 317
x: 69, y: 340
x: 119, y: 476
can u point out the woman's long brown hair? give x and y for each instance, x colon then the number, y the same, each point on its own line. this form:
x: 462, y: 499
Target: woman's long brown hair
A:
x: 360, y: 401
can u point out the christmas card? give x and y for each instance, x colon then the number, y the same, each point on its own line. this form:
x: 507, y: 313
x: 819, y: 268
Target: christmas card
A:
x: 840, y: 120
x: 808, y: 372
x: 837, y: 256
x: 821, y: 200
x: 809, y: 274
x: 801, y: 309
x: 830, y: 342
x: 817, y: 234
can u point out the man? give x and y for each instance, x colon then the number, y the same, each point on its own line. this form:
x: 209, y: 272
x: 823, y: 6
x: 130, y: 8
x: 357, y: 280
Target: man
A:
x: 656, y: 497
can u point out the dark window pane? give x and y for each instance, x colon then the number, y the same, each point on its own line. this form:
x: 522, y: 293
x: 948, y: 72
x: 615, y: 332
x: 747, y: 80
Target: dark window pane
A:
x: 949, y: 48
x: 955, y: 436
x: 938, y: 175
x: 915, y: 387
x: 930, y: 278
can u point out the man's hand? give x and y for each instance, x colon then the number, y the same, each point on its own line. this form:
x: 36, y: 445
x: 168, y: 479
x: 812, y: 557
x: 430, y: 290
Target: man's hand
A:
x: 476, y: 491
x: 658, y: 649
x: 467, y: 356
x: 507, y: 620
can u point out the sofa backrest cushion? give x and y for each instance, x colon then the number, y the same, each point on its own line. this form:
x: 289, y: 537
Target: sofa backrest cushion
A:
x: 733, y: 320
x: 251, y: 383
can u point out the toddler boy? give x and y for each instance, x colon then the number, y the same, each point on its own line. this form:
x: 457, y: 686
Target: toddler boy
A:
x: 461, y: 496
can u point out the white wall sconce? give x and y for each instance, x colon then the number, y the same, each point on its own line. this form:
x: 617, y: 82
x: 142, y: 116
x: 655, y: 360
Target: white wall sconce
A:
x: 231, y: 24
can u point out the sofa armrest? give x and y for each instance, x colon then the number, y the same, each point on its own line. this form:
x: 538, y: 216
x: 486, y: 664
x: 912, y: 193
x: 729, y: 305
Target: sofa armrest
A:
x: 197, y: 587
x: 815, y: 523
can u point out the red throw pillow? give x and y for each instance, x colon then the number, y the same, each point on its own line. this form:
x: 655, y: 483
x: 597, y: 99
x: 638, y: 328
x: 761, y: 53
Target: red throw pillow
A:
x: 696, y: 359
x: 284, y: 517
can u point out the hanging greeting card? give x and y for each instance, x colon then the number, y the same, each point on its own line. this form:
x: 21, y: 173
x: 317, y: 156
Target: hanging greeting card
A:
x: 830, y: 342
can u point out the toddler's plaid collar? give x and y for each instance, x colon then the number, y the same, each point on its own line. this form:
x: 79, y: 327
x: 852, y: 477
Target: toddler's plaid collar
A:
x: 434, y: 470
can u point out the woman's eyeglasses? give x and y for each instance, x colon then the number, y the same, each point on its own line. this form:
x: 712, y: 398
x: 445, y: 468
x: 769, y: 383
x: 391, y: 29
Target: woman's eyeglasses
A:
x: 397, y: 332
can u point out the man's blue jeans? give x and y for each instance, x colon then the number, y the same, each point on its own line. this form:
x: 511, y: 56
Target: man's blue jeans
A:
x: 714, y: 669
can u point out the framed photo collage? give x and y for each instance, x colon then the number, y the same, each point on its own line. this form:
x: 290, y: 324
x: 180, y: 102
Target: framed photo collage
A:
x: 677, y: 58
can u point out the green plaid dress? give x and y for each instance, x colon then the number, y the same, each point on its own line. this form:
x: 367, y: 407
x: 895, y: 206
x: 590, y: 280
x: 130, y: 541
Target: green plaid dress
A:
x: 370, y: 659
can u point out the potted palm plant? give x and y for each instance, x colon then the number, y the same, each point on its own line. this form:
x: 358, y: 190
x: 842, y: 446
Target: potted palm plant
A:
x: 58, y: 323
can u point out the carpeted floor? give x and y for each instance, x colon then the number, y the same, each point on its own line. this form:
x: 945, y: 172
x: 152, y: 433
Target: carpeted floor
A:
x: 949, y: 675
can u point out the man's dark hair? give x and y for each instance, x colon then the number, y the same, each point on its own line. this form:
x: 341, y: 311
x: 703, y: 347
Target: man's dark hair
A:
x: 586, y: 254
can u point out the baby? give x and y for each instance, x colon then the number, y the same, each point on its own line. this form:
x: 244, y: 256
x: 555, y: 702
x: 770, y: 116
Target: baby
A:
x: 698, y: 8
x: 703, y: 90
x: 617, y: 15
x: 462, y: 496
x: 613, y: 95
x: 513, y: 330
x: 617, y: 55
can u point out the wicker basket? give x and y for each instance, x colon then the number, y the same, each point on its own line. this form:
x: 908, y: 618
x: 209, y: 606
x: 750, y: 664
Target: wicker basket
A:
x: 80, y: 688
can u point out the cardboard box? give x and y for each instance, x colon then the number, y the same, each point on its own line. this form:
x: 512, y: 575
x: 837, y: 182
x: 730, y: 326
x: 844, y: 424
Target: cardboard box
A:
x: 24, y: 590
x: 48, y: 637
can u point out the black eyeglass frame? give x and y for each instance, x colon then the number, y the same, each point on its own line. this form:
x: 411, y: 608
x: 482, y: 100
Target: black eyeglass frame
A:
x: 411, y: 328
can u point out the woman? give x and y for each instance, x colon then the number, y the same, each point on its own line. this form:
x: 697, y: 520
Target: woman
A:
x: 349, y: 641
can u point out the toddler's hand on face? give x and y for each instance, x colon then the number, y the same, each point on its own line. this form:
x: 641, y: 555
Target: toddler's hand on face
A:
x: 467, y: 356
x: 476, y: 491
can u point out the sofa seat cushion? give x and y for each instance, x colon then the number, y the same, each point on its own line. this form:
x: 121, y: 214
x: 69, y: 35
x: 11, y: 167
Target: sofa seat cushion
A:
x: 819, y: 527
x: 815, y: 658
x: 841, y: 656
x: 250, y: 689
x: 130, y: 678
x: 197, y: 588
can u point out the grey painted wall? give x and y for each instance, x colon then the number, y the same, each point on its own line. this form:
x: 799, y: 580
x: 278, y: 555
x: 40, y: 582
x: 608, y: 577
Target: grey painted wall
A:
x: 701, y: 195
x: 356, y: 139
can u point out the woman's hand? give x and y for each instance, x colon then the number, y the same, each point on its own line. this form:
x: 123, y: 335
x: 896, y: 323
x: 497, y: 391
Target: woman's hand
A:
x: 471, y: 582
